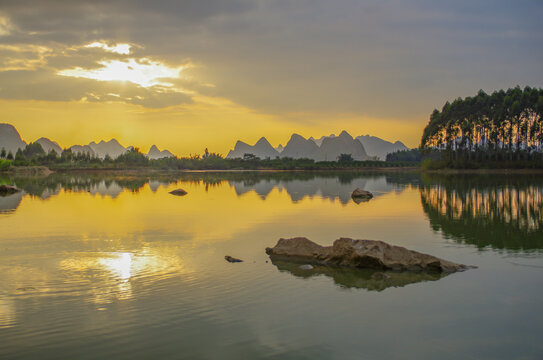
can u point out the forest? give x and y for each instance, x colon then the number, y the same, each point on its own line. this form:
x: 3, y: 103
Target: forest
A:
x: 503, y: 129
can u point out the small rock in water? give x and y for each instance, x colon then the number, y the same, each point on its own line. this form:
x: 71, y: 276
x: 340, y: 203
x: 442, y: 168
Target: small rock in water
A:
x: 26, y: 288
x: 380, y: 276
x: 359, y: 193
x: 232, y: 259
x: 306, y: 267
x: 178, y: 192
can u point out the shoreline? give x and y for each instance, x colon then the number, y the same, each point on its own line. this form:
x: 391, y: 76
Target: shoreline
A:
x: 43, y: 171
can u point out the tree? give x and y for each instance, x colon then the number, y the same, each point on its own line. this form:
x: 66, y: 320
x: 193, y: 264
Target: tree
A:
x: 249, y: 157
x: 3, y: 153
x: 506, y: 124
x: 10, y: 156
x: 345, y: 158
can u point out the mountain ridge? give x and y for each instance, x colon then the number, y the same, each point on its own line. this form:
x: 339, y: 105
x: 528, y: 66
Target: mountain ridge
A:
x: 325, y: 148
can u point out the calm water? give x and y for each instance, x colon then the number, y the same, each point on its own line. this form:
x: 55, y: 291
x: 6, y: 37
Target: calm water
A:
x: 103, y: 266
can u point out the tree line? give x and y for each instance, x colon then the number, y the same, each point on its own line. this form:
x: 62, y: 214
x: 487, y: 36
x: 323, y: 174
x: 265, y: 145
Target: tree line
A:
x: 506, y: 125
x: 33, y: 154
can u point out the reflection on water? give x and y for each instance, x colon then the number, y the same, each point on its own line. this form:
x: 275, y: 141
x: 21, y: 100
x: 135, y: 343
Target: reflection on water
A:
x: 371, y: 280
x: 10, y: 203
x: 297, y: 185
x: 113, y: 266
x: 483, y: 211
x: 117, y: 270
x: 7, y: 313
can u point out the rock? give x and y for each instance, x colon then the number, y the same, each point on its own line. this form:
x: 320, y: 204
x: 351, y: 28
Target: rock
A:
x: 306, y: 267
x: 232, y: 259
x: 371, y: 254
x: 179, y: 192
x: 380, y: 276
x: 30, y: 170
x: 8, y: 190
x: 360, y: 195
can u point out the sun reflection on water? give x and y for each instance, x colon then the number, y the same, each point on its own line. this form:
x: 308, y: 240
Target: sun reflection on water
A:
x: 113, y: 273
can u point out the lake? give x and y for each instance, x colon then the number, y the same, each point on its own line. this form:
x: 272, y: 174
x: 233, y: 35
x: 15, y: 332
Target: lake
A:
x: 113, y: 266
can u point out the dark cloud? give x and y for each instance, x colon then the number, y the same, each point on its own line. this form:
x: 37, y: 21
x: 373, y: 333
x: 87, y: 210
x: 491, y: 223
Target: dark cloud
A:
x: 379, y: 58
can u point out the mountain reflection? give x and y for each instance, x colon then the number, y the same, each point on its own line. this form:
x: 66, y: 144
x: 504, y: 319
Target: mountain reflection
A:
x: 358, y: 278
x: 503, y: 213
x: 10, y: 203
x: 297, y: 185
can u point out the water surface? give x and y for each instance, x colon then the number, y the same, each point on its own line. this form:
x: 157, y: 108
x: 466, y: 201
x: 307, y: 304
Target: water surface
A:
x: 109, y: 266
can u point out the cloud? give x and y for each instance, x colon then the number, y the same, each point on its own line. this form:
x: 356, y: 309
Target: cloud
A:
x: 143, y: 72
x: 123, y: 49
x: 373, y: 58
x: 91, y: 73
x: 5, y: 26
x: 46, y: 85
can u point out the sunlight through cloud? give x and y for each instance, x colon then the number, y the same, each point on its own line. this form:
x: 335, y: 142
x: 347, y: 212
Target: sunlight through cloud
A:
x: 5, y: 26
x: 123, y: 49
x: 143, y: 72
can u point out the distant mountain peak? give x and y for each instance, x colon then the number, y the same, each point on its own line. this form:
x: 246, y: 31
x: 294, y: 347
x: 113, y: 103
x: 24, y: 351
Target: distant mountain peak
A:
x: 345, y: 134
x: 296, y: 137
x: 241, y: 143
x: 263, y: 141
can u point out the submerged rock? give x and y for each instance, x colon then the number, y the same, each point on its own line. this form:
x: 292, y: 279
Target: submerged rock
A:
x: 306, y: 267
x: 370, y: 254
x: 232, y: 259
x: 178, y: 192
x: 359, y: 195
x: 8, y: 190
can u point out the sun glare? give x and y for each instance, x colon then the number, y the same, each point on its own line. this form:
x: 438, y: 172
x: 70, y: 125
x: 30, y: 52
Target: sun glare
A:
x: 143, y: 72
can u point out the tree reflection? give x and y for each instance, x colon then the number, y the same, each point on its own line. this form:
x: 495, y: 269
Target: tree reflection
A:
x: 496, y: 211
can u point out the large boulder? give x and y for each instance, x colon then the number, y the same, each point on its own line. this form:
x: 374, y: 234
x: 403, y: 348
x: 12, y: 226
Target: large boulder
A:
x: 371, y: 254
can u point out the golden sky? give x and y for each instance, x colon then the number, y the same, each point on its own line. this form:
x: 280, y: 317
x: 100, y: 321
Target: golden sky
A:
x: 190, y: 75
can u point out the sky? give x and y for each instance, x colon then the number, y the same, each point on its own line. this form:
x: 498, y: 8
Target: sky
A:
x: 191, y: 74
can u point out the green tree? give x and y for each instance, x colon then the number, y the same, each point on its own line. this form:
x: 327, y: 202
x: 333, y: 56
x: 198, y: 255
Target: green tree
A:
x: 345, y: 158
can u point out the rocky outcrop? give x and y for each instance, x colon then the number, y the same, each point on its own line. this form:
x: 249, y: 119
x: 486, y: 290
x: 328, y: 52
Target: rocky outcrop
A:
x: 155, y: 153
x: 262, y: 149
x: 82, y: 149
x: 10, y: 140
x: 331, y: 148
x: 299, y: 148
x: 49, y: 145
x: 369, y: 254
x: 8, y: 190
x: 110, y: 148
x: 379, y: 148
